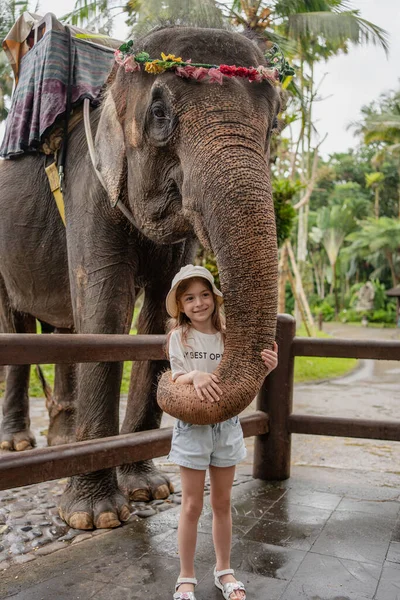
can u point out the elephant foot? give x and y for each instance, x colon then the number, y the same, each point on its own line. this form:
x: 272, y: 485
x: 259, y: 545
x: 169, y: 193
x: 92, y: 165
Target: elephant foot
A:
x: 93, y: 502
x: 142, y: 482
x: 19, y: 441
x: 61, y: 425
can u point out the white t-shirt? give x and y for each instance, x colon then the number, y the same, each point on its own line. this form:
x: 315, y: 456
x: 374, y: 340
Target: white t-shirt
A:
x: 201, y: 352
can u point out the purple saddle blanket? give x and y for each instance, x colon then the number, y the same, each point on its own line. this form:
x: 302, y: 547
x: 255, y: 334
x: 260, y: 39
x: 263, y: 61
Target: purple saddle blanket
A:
x: 40, y: 96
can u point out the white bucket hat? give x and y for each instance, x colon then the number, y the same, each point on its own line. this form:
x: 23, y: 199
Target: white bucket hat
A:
x: 187, y: 272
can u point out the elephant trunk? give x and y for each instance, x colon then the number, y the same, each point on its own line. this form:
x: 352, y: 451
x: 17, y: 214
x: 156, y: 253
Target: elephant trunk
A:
x: 235, y: 216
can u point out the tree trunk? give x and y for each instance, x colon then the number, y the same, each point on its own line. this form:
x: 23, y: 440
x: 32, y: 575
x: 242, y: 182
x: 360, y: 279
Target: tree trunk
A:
x: 282, y: 278
x: 399, y: 195
x: 392, y: 269
x: 335, y: 291
x: 377, y: 202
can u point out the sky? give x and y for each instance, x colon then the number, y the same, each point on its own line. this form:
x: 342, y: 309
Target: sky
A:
x: 350, y: 81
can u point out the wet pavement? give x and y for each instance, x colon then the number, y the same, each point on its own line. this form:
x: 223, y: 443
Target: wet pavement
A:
x: 324, y: 534
x: 331, y: 532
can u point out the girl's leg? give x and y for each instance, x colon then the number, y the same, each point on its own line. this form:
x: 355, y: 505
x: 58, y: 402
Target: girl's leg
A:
x: 221, y: 479
x: 192, y: 504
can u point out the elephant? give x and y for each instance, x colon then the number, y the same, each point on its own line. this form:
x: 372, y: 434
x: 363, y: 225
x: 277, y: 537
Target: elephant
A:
x: 189, y: 159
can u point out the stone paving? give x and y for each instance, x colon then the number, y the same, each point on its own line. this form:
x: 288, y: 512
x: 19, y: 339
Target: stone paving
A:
x: 322, y: 535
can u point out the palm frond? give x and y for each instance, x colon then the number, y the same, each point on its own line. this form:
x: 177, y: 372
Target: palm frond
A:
x: 336, y: 27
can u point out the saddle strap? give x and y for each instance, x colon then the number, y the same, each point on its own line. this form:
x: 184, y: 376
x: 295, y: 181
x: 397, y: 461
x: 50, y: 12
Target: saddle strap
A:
x: 54, y: 182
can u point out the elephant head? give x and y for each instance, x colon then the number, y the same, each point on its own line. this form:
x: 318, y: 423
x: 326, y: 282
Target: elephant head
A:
x: 191, y: 158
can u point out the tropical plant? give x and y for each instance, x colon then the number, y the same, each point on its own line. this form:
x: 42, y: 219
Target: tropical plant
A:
x: 378, y: 239
x: 381, y: 127
x: 142, y: 15
x: 333, y: 223
x: 374, y: 180
x: 283, y: 192
x: 319, y: 29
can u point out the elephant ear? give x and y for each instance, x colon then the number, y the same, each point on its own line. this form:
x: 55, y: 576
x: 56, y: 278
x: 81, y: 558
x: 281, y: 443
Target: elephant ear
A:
x: 110, y: 149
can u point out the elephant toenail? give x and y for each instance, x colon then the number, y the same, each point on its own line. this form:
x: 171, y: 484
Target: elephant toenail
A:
x: 80, y: 520
x: 140, y: 495
x: 107, y: 520
x: 125, y: 513
x: 161, y: 492
x: 24, y: 445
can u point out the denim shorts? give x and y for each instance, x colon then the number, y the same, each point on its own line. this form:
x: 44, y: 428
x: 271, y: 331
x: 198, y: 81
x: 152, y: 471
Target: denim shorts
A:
x: 198, y: 446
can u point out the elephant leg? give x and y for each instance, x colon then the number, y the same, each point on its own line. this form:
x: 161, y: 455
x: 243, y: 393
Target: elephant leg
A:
x: 141, y: 481
x: 102, y: 285
x: 61, y: 405
x: 15, y: 433
x: 94, y: 500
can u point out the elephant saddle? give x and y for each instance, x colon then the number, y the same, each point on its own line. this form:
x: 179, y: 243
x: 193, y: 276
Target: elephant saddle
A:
x: 38, y: 50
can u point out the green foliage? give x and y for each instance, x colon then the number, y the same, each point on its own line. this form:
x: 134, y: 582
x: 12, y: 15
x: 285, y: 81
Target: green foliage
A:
x: 374, y: 179
x: 283, y: 192
x: 289, y: 299
x: 326, y: 309
x: 377, y: 239
x: 350, y: 315
x: 384, y: 307
x: 381, y: 316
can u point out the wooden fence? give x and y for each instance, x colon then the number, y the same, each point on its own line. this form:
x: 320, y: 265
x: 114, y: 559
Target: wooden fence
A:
x: 272, y: 423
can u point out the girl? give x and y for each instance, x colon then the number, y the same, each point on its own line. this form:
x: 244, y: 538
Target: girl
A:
x: 195, y: 348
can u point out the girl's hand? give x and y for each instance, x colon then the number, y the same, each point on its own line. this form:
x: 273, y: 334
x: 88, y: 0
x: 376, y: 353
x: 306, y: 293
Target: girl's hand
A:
x: 270, y: 358
x: 206, y: 386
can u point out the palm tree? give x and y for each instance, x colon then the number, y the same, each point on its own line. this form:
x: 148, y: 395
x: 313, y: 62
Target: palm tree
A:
x: 319, y: 29
x: 100, y: 13
x: 374, y: 181
x: 333, y: 224
x: 385, y: 129
x: 377, y: 239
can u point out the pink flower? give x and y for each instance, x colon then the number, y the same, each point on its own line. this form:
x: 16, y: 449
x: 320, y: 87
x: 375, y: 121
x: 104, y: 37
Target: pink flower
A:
x: 119, y: 57
x: 265, y: 73
x: 200, y: 73
x: 215, y: 75
x: 186, y: 72
x: 130, y: 64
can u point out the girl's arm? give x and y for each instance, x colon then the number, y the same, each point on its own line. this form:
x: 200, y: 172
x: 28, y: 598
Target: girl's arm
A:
x: 186, y: 378
x: 205, y: 384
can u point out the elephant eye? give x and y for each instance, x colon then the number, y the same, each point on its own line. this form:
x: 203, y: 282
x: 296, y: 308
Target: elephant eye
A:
x: 160, y: 119
x: 158, y: 112
x: 275, y: 123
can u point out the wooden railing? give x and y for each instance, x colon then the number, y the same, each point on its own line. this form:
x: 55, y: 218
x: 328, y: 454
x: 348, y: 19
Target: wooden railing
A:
x: 272, y: 423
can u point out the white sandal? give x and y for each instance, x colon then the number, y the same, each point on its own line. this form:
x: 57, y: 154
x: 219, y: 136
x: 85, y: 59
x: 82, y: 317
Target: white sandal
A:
x: 184, y: 595
x: 228, y: 588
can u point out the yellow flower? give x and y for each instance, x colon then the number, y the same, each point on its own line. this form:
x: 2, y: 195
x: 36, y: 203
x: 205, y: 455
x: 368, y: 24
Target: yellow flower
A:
x: 171, y: 57
x: 154, y: 67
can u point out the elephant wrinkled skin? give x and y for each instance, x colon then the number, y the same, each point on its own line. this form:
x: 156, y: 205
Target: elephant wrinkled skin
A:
x: 190, y: 160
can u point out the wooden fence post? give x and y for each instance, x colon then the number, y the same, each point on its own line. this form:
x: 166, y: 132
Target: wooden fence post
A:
x: 272, y: 450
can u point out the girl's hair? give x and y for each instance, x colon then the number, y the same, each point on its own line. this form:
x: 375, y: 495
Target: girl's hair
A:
x: 183, y: 322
